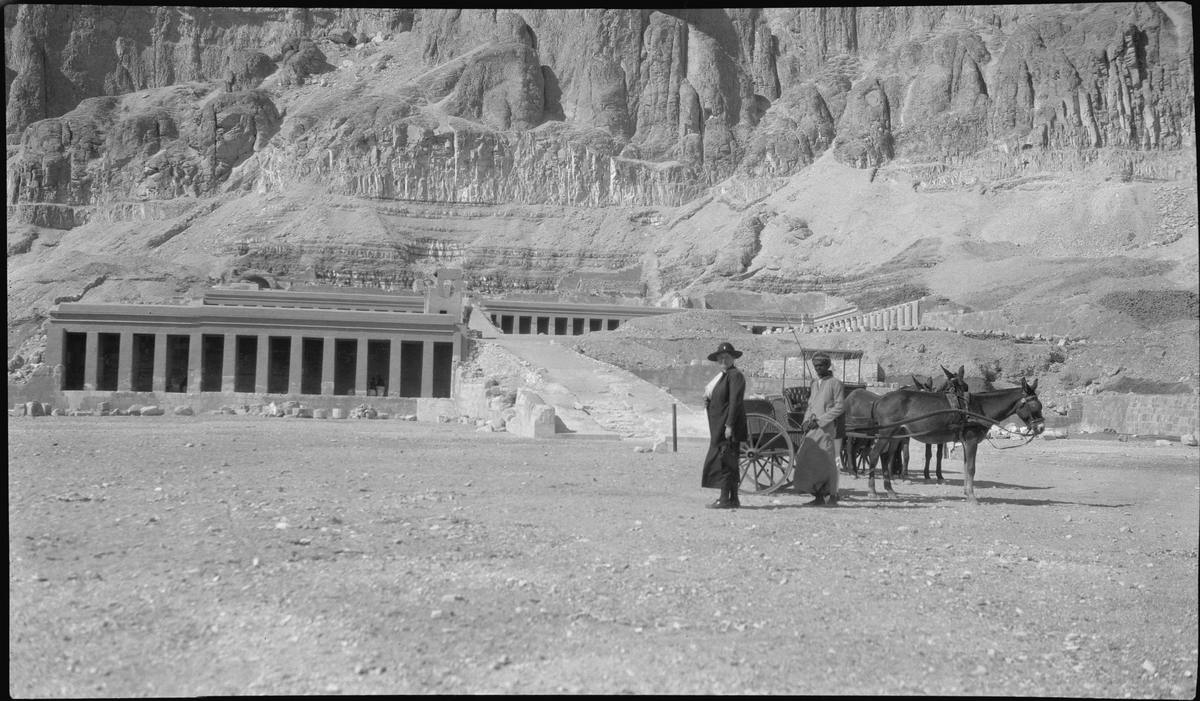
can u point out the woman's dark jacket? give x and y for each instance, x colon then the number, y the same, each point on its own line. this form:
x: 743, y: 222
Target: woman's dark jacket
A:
x: 726, y: 407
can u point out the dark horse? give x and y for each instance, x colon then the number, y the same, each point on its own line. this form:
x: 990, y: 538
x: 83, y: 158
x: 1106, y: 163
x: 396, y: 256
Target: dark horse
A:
x: 910, y: 412
x: 858, y: 414
x: 954, y: 383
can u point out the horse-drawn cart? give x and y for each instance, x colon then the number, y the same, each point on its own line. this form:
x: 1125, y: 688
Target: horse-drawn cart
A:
x: 769, y: 454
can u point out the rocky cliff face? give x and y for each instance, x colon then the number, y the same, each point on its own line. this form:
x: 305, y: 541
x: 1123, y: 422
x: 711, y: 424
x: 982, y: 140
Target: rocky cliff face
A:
x: 128, y: 114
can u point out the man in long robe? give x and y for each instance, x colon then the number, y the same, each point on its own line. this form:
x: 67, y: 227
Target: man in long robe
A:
x: 816, y: 460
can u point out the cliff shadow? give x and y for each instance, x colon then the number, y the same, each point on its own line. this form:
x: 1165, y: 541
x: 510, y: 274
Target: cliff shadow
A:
x: 552, y: 109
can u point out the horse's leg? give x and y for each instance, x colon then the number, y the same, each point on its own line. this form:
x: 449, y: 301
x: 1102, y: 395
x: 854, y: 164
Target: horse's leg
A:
x: 929, y: 456
x: 970, y: 447
x: 941, y: 450
x: 904, y: 457
x: 889, y: 450
x: 872, y: 457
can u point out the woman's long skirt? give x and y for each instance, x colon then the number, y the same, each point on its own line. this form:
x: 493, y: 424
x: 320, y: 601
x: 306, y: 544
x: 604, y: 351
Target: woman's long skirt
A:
x: 721, y: 465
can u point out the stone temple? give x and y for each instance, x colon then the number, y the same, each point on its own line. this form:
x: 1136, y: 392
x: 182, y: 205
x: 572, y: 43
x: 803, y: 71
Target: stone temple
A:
x: 240, y: 345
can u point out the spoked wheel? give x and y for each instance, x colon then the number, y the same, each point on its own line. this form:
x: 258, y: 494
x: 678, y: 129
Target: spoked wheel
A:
x: 768, y: 456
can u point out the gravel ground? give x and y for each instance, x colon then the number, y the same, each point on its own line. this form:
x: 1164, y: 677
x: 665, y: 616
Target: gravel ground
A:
x: 227, y: 555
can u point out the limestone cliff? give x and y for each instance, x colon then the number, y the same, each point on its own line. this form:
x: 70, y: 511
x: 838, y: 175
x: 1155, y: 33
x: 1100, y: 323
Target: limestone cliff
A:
x: 635, y: 140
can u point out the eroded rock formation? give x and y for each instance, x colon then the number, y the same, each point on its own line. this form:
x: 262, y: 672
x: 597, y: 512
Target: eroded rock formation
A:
x: 130, y: 113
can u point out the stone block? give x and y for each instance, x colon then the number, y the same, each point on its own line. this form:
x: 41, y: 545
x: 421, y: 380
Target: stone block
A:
x: 135, y: 410
x: 33, y: 409
x: 20, y: 410
x: 320, y: 413
x: 1162, y: 443
x: 533, y: 418
x: 58, y: 412
x: 184, y: 411
x: 497, y: 423
x: 1189, y: 439
x: 339, y: 413
x: 304, y: 413
x: 152, y: 411
x: 104, y: 406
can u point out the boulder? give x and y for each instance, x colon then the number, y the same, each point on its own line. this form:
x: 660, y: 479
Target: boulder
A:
x: 1189, y: 439
x: 34, y: 409
x: 58, y: 412
x: 245, y: 70
x: 339, y: 35
x: 533, y: 418
x: 151, y: 411
x: 20, y: 410
x: 183, y: 411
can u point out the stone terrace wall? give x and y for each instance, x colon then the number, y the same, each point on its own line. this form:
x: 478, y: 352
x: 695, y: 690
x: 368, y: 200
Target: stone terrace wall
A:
x: 1142, y: 414
x: 995, y: 321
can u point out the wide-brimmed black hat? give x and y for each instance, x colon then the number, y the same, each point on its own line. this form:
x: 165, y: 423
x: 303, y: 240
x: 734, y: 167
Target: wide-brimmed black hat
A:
x: 725, y: 347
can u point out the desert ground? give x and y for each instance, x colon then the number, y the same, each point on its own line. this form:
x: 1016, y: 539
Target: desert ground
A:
x: 218, y: 555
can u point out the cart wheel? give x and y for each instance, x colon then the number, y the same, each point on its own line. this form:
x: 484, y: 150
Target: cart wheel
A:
x: 768, y: 456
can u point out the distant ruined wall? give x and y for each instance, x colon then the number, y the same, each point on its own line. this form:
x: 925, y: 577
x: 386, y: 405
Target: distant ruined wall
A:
x: 1141, y: 414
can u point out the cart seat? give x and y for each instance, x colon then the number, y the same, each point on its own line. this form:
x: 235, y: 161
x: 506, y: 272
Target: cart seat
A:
x: 797, y: 399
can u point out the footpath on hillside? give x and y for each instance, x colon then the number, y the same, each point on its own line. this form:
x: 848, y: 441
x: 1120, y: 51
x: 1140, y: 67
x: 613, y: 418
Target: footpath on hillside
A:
x: 593, y: 398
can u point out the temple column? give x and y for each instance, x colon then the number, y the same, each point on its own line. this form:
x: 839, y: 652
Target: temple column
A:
x: 125, y: 369
x: 427, y: 370
x: 327, y: 366
x: 261, y: 363
x: 159, y: 383
x: 194, y: 359
x: 393, y: 382
x: 360, y: 369
x: 296, y: 365
x: 229, y: 364
x: 91, y: 361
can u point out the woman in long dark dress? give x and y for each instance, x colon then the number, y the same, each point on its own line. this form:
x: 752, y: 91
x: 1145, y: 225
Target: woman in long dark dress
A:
x: 724, y: 400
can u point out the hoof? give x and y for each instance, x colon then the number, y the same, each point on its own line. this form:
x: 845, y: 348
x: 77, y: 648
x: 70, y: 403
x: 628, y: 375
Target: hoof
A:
x: 941, y: 481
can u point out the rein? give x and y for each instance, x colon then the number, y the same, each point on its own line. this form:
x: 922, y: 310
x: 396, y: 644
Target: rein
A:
x: 864, y: 432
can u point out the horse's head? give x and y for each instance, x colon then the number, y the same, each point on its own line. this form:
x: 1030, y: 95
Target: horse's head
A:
x: 1029, y: 409
x: 954, y: 382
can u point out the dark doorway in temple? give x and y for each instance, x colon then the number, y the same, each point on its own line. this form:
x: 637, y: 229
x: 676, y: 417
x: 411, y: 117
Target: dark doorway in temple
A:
x: 108, y: 360
x: 279, y: 364
x: 443, y: 363
x: 345, y: 365
x: 378, y: 366
x: 412, y: 360
x: 245, y: 363
x: 212, y: 361
x: 74, y: 360
x: 177, y: 362
x: 312, y: 359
